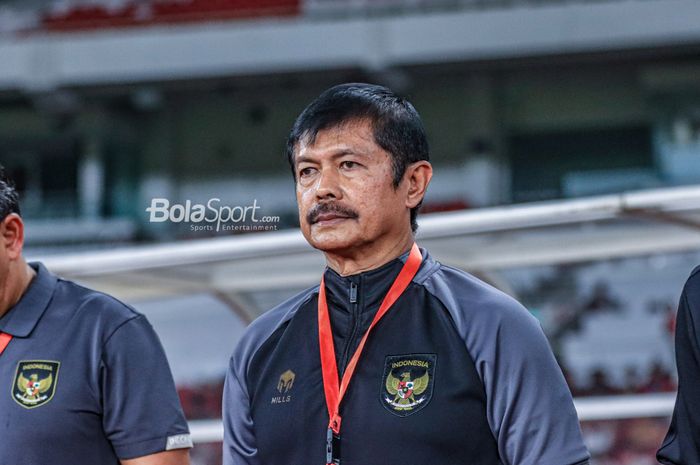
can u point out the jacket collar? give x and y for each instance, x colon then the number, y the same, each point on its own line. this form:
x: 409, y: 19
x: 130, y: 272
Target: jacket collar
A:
x: 371, y: 286
x: 21, y: 319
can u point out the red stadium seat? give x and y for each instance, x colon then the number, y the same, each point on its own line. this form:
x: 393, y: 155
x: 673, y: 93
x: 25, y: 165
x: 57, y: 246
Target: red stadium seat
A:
x: 167, y: 11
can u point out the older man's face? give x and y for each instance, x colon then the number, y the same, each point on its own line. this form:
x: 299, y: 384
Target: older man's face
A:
x: 345, y: 191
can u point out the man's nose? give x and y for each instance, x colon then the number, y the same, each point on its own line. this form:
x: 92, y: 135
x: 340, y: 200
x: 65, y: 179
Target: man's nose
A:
x: 328, y: 184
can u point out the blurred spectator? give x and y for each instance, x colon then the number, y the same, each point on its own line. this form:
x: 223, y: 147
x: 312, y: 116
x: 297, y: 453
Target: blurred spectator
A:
x: 600, y: 385
x: 624, y: 442
x: 660, y: 380
x: 601, y: 299
x: 631, y: 382
x: 203, y: 401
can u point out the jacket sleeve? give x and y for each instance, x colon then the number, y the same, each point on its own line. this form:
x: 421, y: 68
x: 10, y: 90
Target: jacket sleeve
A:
x: 137, y: 418
x: 239, y: 438
x: 682, y: 443
x: 529, y: 407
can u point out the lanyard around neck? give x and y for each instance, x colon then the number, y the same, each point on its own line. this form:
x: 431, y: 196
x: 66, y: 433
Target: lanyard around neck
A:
x: 4, y: 340
x: 335, y: 393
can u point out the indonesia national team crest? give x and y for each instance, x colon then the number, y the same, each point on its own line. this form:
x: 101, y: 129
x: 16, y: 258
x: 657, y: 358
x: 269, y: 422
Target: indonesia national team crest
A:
x: 407, y: 384
x: 35, y: 382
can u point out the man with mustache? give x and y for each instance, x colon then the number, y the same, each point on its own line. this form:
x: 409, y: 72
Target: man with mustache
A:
x: 83, y: 377
x: 393, y: 358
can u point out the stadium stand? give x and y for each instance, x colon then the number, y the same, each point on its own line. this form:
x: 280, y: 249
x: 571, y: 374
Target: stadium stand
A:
x: 136, y: 13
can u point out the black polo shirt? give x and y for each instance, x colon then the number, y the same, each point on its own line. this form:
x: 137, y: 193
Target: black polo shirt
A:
x: 83, y: 381
x: 682, y: 443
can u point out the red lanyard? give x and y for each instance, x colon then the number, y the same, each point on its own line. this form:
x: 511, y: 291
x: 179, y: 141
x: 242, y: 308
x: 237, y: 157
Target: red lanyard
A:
x: 335, y: 393
x: 4, y: 340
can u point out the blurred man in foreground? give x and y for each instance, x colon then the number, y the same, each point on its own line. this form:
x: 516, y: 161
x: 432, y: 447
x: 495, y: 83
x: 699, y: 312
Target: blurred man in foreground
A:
x: 394, y: 358
x: 83, y: 378
x: 682, y: 443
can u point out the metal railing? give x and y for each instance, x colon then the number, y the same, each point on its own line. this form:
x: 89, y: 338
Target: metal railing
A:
x: 655, y: 204
x: 588, y: 409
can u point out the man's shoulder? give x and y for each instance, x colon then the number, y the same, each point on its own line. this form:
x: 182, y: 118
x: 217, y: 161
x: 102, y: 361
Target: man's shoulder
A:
x: 100, y: 307
x: 694, y: 278
x: 281, y: 312
x: 691, y: 292
x: 462, y: 292
x: 265, y: 325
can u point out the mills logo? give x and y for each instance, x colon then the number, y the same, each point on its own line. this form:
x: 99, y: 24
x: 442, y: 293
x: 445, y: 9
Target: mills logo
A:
x: 284, y: 386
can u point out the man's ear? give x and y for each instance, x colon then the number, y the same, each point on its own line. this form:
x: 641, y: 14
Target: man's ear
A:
x: 418, y: 176
x: 12, y: 235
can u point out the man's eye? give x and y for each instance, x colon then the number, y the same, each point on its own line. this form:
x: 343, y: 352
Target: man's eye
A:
x: 348, y: 164
x: 305, y: 172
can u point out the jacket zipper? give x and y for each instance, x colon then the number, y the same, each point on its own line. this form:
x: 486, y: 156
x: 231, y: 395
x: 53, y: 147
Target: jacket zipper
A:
x: 355, y: 327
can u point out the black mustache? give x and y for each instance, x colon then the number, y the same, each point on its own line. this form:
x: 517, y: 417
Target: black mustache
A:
x: 321, y: 208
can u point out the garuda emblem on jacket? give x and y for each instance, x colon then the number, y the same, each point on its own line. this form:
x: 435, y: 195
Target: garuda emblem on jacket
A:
x: 35, y: 382
x: 408, y: 382
x: 406, y: 389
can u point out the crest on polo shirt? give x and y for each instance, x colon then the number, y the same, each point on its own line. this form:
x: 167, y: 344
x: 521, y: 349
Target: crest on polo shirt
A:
x: 35, y: 382
x: 407, y: 384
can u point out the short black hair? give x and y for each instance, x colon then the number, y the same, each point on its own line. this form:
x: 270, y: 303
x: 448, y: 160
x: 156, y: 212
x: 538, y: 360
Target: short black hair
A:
x: 9, y: 199
x: 396, y: 125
